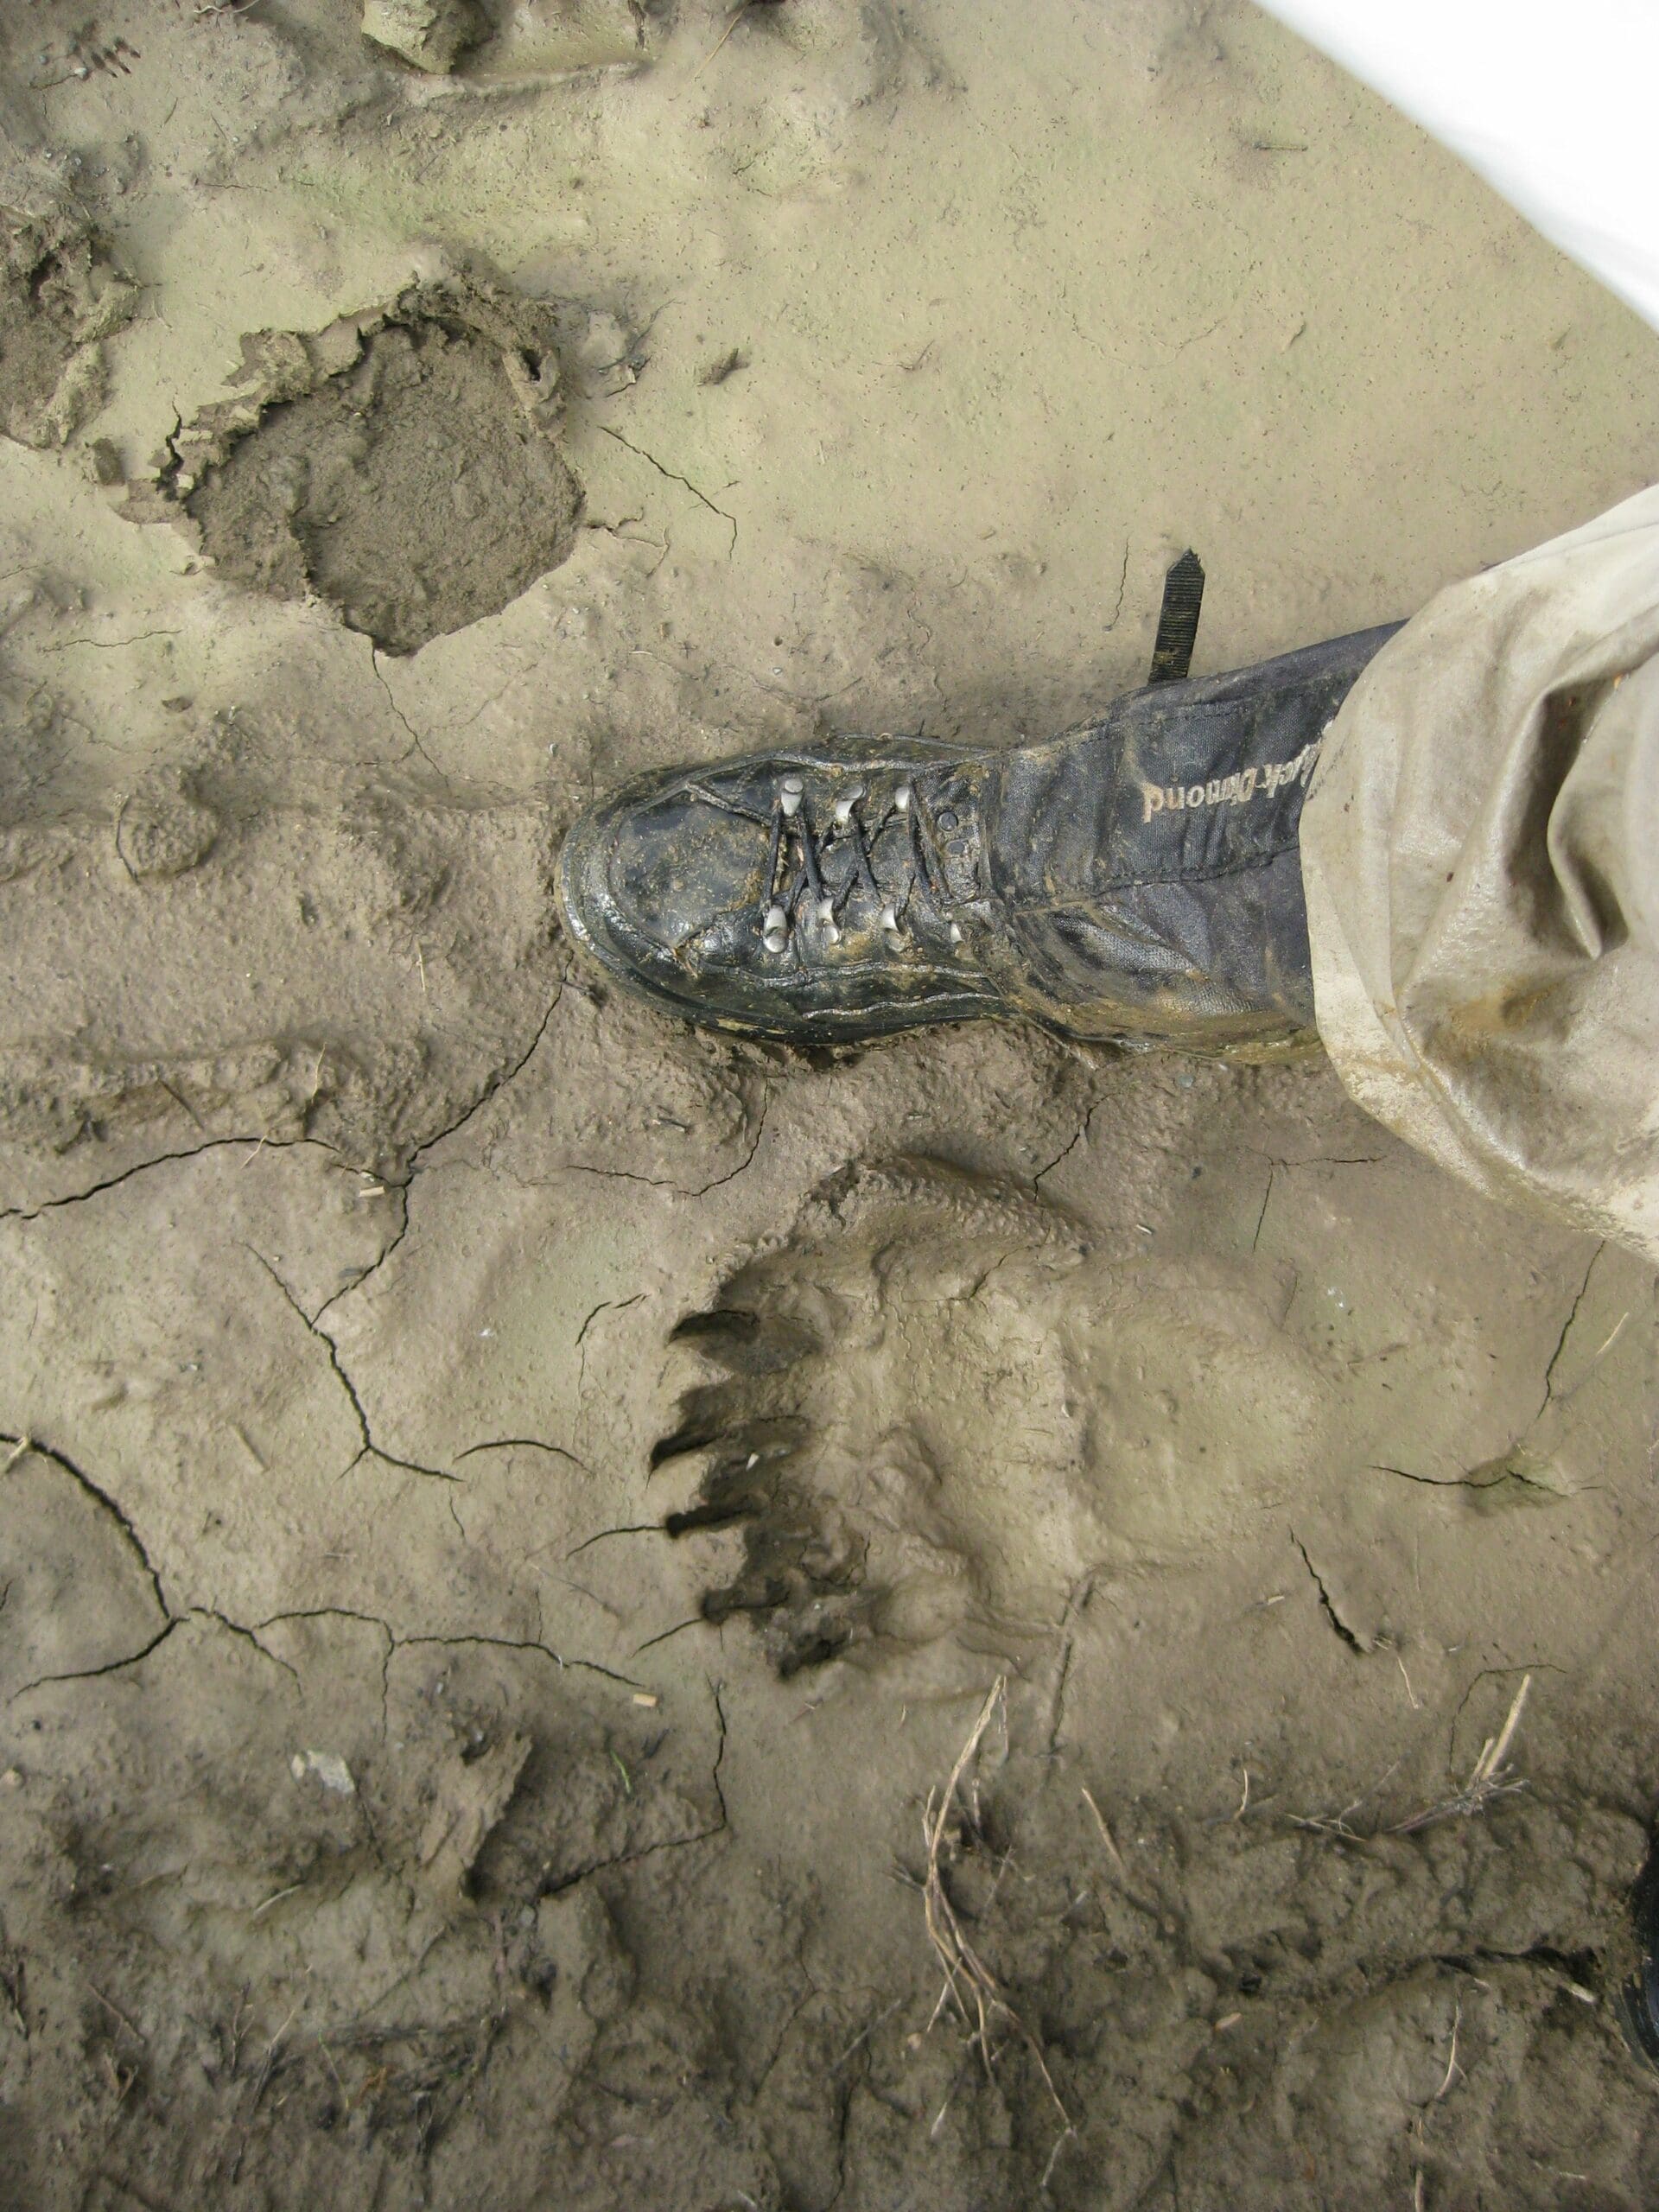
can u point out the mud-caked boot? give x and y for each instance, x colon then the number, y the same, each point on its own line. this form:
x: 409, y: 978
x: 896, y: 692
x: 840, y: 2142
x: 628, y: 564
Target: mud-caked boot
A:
x: 1137, y: 878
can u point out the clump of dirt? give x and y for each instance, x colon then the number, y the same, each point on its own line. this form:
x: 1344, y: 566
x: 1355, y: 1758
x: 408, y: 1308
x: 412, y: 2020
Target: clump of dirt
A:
x: 433, y: 35
x: 404, y: 466
x: 61, y: 296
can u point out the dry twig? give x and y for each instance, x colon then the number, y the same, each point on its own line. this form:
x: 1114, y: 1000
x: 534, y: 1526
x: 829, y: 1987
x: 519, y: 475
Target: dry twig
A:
x: 116, y: 2013
x: 1109, y: 1840
x: 1489, y: 1779
x: 968, y: 1983
x: 1452, y: 2058
x: 736, y: 17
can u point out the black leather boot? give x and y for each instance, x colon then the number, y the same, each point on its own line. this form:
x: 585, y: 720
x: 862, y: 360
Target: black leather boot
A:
x: 1136, y: 878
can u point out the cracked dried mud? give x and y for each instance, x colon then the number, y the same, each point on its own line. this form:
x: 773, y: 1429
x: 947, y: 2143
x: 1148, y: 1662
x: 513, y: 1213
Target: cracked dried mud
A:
x: 510, y: 1507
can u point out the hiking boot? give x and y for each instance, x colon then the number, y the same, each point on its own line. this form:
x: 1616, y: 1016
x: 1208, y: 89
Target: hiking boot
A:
x: 1137, y: 878
x: 1636, y: 2001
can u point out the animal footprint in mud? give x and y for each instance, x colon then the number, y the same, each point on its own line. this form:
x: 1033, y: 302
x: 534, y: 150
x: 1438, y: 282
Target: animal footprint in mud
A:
x: 403, y: 465
x: 888, y: 1445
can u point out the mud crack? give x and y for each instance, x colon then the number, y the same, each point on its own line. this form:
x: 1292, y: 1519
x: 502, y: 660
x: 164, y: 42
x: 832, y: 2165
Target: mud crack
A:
x: 92, y: 1673
x: 1314, y: 1159
x: 405, y: 1191
x: 674, y: 477
x: 1566, y: 1330
x: 246, y: 1635
x: 1482, y: 1477
x: 495, y: 1084
x: 669, y: 1842
x: 162, y: 1159
x: 22, y: 1444
x: 666, y: 1182
x: 1066, y: 1150
x: 369, y: 1447
x: 410, y: 730
x: 524, y: 1444
x: 515, y: 1643
x: 1325, y: 1599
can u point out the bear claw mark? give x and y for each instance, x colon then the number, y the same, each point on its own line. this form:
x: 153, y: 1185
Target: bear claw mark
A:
x: 832, y: 1486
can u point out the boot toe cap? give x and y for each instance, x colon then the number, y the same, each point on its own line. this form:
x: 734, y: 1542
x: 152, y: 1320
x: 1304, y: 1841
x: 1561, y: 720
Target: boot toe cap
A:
x: 641, y: 877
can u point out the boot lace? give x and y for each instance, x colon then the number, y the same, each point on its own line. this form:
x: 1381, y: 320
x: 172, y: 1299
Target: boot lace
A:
x: 892, y: 855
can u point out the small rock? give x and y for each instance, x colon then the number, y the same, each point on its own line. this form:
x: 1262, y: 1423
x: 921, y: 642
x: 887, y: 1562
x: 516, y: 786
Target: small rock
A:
x: 12, y: 1778
x: 329, y: 1767
x: 432, y: 33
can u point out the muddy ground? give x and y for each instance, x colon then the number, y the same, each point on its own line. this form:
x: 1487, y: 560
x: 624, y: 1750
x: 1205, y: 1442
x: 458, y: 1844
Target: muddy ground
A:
x: 512, y: 1509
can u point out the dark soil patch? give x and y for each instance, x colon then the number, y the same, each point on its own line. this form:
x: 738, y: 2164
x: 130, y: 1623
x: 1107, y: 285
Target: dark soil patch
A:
x: 416, y: 488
